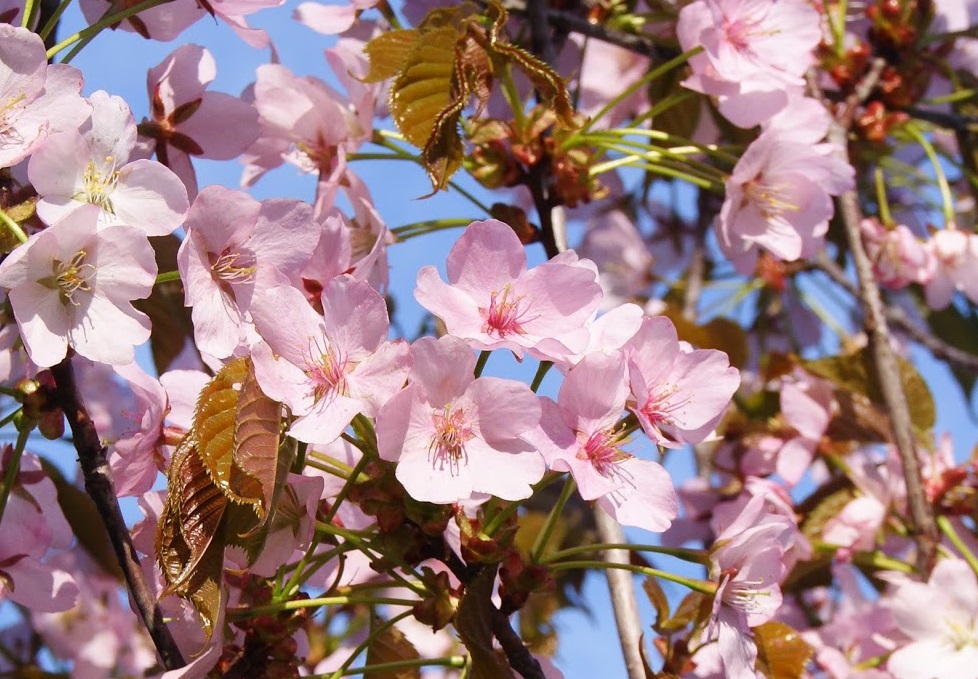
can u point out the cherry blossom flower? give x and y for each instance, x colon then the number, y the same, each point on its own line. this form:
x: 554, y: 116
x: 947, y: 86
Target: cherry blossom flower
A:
x: 72, y: 284
x: 303, y: 122
x: 807, y: 406
x: 898, y: 258
x: 327, y: 369
x: 755, y: 53
x: 32, y: 525
x: 36, y: 99
x: 584, y: 436
x: 941, y: 620
x: 137, y: 456
x: 453, y: 435
x: 74, y: 168
x: 235, y: 246
x: 333, y: 18
x: 189, y: 121
x: 679, y: 393
x: 493, y: 301
x: 779, y: 198
x: 624, y: 262
x: 954, y: 266
x: 748, y: 562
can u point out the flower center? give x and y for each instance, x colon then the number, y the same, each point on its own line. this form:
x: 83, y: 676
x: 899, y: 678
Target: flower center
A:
x: 70, y: 277
x: 10, y: 110
x: 960, y: 634
x: 99, y: 183
x: 447, y: 445
x: 661, y: 406
x: 233, y: 267
x: 770, y: 198
x: 327, y: 373
x: 504, y: 315
x: 744, y: 595
x: 603, y: 450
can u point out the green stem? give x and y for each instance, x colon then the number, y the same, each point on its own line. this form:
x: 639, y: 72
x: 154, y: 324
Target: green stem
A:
x: 409, y: 231
x: 7, y: 419
x: 691, y: 555
x: 681, y: 144
x: 11, y: 476
x: 947, y: 528
x: 53, y: 21
x: 13, y: 226
x: 947, y: 202
x: 881, y: 201
x: 635, y: 160
x: 546, y: 531
x: 542, y: 371
x: 29, y: 8
x: 701, y: 586
x: 638, y: 84
x: 874, y: 559
x: 456, y: 661
x: 167, y: 276
x: 512, y: 96
x: 374, y: 633
x: 354, y: 538
x: 86, y: 34
x: 242, y: 612
x: 481, y: 363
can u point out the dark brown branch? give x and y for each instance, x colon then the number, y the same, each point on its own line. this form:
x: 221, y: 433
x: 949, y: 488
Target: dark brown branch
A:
x: 517, y: 654
x: 573, y: 23
x: 98, y: 483
x: 898, y: 318
x: 878, y: 332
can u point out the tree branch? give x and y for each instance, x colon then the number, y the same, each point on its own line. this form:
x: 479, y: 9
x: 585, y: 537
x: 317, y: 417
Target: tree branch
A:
x: 875, y: 324
x: 98, y: 483
x: 623, y: 599
x: 898, y: 318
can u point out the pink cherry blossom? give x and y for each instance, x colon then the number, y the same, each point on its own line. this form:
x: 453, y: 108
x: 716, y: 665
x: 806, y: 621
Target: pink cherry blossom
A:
x: 679, y: 393
x: 235, y: 246
x: 303, y: 122
x: 954, y: 266
x: 137, y: 456
x: 624, y: 262
x: 292, y: 524
x: 36, y: 99
x: 807, y: 406
x: 74, y: 168
x: 898, y: 258
x: 755, y: 53
x: 748, y: 562
x: 941, y: 620
x: 32, y: 525
x: 72, y: 284
x: 453, y: 435
x: 187, y: 120
x: 327, y: 369
x: 333, y: 18
x: 493, y: 301
x: 162, y: 22
x: 584, y: 436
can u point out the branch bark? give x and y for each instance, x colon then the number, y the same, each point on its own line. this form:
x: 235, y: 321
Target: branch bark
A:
x: 878, y: 332
x: 98, y: 483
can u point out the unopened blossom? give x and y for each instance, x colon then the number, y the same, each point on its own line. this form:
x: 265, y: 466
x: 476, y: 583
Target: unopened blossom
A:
x: 755, y: 53
x: 453, y: 435
x: 36, y: 99
x: 186, y: 120
x: 940, y: 618
x: 91, y: 166
x: 327, y: 368
x: 73, y: 284
x: 235, y: 246
x: 678, y: 393
x: 748, y: 563
x: 493, y: 301
x: 584, y: 435
x: 954, y: 266
x: 898, y: 258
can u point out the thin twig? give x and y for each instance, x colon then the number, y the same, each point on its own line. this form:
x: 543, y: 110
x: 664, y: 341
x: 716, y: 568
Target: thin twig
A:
x: 622, y: 590
x: 98, y: 483
x: 878, y: 332
x: 898, y: 318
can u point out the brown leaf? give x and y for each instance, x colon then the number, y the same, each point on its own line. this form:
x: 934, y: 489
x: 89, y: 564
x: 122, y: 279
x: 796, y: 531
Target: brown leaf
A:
x: 392, y: 646
x: 387, y: 53
x: 256, y: 443
x: 653, y: 590
x: 172, y: 325
x: 422, y: 88
x: 781, y: 652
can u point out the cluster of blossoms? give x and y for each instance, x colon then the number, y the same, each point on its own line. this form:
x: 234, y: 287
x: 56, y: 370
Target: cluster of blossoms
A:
x: 416, y: 473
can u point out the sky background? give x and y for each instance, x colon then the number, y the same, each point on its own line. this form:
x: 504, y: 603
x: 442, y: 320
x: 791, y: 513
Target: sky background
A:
x: 117, y: 62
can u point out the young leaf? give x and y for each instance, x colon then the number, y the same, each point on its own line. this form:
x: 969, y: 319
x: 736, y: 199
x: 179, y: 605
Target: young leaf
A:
x: 392, y: 646
x: 781, y: 652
